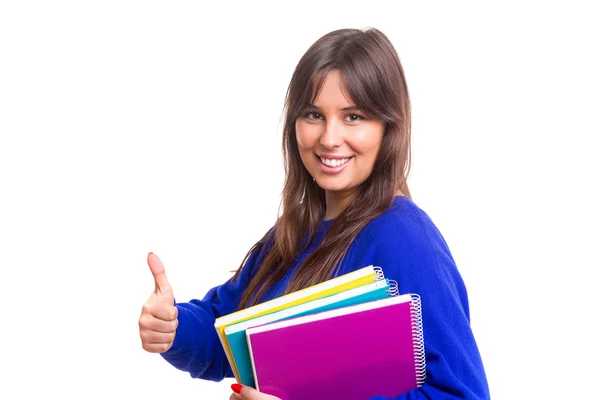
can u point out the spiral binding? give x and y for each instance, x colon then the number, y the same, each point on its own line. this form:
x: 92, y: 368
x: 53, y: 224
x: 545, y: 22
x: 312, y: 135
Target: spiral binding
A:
x: 393, y: 289
x: 419, y: 343
x: 378, y: 273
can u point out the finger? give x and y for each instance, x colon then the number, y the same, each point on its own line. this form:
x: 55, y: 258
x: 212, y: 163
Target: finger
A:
x: 249, y: 393
x: 156, y: 348
x: 153, y: 337
x: 163, y: 287
x: 163, y: 311
x: 235, y: 396
x: 158, y: 325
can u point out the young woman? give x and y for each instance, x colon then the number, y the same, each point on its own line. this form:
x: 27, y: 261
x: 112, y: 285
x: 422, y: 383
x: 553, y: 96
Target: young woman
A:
x: 346, y: 205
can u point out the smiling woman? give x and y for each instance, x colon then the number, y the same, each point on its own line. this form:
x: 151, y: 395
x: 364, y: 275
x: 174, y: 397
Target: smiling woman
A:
x: 338, y: 144
x: 345, y: 205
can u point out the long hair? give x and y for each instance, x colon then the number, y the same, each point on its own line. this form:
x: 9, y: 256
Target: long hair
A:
x: 373, y: 76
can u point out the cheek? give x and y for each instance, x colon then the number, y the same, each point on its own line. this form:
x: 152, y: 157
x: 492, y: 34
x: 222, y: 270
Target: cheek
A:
x: 304, y: 137
x: 374, y: 138
x: 366, y: 143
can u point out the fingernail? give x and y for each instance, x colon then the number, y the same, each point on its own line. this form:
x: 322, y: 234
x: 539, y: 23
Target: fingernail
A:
x: 150, y: 253
x: 236, y: 387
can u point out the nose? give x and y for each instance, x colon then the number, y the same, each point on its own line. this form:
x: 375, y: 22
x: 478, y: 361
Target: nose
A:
x: 332, y: 135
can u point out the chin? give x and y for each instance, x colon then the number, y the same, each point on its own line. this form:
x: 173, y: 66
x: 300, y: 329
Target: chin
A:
x: 332, y: 187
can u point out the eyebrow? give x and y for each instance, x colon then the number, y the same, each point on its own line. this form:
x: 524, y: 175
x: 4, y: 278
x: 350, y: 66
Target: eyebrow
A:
x: 357, y: 108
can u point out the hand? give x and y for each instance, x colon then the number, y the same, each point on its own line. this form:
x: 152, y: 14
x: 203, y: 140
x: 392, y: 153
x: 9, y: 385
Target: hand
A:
x: 249, y: 393
x: 158, y: 322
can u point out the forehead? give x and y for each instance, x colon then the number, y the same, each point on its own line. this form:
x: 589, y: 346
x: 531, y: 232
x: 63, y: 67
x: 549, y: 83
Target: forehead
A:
x: 332, y: 92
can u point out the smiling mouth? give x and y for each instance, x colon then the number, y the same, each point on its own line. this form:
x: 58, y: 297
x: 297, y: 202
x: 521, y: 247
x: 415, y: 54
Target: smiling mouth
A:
x: 334, y: 162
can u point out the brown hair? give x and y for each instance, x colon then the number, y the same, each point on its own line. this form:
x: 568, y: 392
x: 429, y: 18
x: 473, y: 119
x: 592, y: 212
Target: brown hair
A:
x: 371, y: 71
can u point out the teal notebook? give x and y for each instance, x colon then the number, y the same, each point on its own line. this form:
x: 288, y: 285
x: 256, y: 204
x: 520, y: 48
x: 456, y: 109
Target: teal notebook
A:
x: 236, y: 333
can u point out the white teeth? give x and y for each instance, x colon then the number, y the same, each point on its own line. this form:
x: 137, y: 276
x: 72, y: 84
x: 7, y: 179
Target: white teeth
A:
x: 334, y: 163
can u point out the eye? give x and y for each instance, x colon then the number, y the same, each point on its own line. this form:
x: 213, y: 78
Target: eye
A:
x: 355, y: 117
x: 312, y: 115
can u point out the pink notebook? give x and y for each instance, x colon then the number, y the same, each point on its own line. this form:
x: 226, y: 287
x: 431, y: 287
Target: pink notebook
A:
x: 352, y: 353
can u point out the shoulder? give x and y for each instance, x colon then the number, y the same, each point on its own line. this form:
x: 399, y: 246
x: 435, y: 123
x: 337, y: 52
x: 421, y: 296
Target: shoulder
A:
x: 409, y: 248
x: 404, y: 224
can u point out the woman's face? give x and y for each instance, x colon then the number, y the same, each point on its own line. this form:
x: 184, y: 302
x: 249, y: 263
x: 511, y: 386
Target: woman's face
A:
x: 338, y: 144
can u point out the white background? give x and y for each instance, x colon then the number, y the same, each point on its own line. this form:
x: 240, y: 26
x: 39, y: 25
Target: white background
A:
x: 136, y: 126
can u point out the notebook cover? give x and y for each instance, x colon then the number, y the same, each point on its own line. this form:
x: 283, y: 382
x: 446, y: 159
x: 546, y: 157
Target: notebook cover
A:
x: 335, y: 285
x: 354, y: 356
x: 239, y: 344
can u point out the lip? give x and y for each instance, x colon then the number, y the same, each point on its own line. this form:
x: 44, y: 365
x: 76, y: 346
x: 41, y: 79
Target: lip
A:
x: 332, y: 170
x: 333, y: 156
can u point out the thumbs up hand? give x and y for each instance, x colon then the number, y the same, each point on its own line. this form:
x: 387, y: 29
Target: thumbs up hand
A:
x: 158, y: 322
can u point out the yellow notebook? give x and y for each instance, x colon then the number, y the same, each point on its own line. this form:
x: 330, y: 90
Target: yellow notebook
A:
x: 332, y: 286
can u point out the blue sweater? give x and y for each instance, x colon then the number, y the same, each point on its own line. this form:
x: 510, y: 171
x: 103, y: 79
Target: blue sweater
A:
x: 408, y: 247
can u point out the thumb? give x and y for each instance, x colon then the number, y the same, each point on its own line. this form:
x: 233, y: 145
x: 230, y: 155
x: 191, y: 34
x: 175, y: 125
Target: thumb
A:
x: 162, y: 286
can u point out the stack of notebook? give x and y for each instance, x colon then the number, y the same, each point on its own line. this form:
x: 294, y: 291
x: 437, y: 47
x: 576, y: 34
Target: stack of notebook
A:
x: 351, y: 337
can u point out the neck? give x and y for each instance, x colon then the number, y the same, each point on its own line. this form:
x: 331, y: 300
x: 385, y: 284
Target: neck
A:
x: 336, y: 202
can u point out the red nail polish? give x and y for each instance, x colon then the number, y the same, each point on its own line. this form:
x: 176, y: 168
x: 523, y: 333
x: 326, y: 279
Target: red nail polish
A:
x: 236, y: 387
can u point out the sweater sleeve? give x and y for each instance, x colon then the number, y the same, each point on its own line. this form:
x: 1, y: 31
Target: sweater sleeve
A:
x: 197, y: 348
x: 412, y: 252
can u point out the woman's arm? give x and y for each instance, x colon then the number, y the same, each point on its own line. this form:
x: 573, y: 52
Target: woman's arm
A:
x: 197, y: 348
x: 413, y: 252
